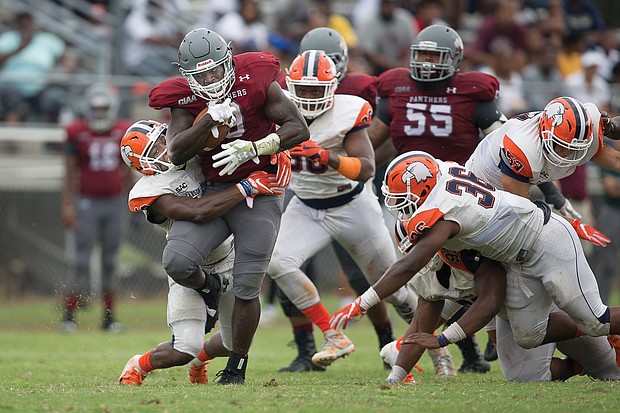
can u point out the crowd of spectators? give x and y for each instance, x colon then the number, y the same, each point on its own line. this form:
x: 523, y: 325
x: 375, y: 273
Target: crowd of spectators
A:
x: 537, y: 48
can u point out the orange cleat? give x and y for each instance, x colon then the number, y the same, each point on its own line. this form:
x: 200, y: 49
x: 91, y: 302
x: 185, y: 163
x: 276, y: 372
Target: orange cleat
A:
x: 132, y: 374
x: 198, y: 374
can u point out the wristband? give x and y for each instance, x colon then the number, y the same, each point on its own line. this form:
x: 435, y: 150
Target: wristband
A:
x: 349, y: 167
x: 369, y: 299
x: 245, y: 188
x: 270, y: 144
x: 454, y: 333
x: 443, y: 341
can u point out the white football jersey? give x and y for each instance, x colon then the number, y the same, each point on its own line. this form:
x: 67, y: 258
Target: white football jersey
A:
x: 518, y: 146
x: 498, y: 224
x: 187, y: 180
x: 328, y: 131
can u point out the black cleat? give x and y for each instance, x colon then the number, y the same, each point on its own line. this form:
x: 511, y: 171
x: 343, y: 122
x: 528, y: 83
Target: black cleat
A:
x: 229, y: 376
x: 490, y: 352
x: 301, y: 364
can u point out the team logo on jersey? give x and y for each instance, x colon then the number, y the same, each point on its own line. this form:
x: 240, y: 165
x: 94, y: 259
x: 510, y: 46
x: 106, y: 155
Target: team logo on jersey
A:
x: 512, y: 161
x: 451, y: 90
x: 187, y: 100
x: 402, y: 89
x: 244, y: 77
x: 418, y: 171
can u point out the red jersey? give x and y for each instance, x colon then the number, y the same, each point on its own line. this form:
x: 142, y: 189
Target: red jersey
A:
x: 438, y: 121
x: 254, y: 73
x: 356, y: 84
x: 98, y: 157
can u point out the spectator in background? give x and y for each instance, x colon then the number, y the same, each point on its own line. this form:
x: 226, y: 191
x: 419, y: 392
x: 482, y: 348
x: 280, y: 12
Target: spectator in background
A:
x: 498, y: 30
x: 428, y: 12
x: 27, y: 55
x: 587, y: 85
x: 511, y: 97
x: 93, y: 200
x: 245, y: 28
x: 153, y: 33
x: 569, y: 57
x: 386, y: 37
x: 584, y: 16
x: 610, y: 55
x: 605, y: 260
x: 542, y: 80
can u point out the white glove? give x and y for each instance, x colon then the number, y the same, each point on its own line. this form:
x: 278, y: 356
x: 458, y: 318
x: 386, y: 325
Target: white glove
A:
x: 222, y: 112
x: 568, y: 211
x: 234, y: 155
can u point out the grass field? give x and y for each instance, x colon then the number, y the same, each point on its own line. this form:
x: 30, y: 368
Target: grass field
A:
x: 43, y: 370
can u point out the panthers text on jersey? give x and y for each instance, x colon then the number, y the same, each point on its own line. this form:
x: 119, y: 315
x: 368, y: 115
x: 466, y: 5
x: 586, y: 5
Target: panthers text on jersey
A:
x: 98, y: 157
x: 254, y: 73
x: 440, y: 122
x: 356, y: 84
x: 516, y: 149
x: 309, y: 181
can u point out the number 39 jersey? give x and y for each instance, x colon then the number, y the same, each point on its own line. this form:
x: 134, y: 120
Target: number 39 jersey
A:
x: 312, y: 181
x: 500, y: 225
x: 438, y: 121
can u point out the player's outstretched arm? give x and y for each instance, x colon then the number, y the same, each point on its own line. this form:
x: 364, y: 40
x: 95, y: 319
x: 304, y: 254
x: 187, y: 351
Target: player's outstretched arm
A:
x: 282, y: 111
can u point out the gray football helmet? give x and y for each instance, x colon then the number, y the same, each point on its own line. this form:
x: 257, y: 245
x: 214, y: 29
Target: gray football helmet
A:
x: 101, y: 109
x: 332, y: 43
x: 442, y: 40
x: 203, y: 54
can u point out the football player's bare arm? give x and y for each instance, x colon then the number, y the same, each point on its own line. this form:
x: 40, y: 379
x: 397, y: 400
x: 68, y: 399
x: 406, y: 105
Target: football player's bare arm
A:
x: 357, y: 145
x: 399, y: 273
x: 196, y: 210
x: 379, y: 131
x: 184, y: 141
x: 490, y: 282
x: 425, y: 321
x: 385, y: 153
x: 282, y: 111
x: 608, y: 158
x: 509, y: 184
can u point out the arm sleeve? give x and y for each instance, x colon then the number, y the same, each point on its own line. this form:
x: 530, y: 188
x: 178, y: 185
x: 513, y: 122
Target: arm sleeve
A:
x: 382, y: 111
x: 552, y: 194
x: 487, y: 113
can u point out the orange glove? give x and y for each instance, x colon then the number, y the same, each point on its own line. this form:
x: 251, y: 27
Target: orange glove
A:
x: 589, y: 233
x: 311, y: 150
x: 283, y: 160
x: 351, y: 312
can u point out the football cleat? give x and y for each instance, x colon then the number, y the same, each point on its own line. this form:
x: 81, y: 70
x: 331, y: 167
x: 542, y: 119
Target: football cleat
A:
x: 409, y: 379
x: 132, y: 374
x: 228, y: 376
x: 198, y: 374
x: 442, y: 360
x: 490, y: 352
x: 389, y: 352
x: 335, y: 346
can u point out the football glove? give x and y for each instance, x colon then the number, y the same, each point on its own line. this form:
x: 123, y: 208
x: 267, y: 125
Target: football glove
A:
x: 589, y: 233
x: 222, y: 112
x: 283, y: 160
x: 569, y: 211
x: 351, y: 312
x: 259, y: 183
x: 234, y: 155
x: 311, y: 150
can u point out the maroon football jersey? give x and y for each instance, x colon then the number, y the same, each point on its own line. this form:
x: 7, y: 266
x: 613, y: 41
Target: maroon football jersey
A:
x: 356, y: 84
x: 254, y: 73
x: 98, y: 157
x: 440, y: 122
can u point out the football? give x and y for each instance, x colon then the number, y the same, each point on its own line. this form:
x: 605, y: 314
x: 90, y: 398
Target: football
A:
x: 212, y: 141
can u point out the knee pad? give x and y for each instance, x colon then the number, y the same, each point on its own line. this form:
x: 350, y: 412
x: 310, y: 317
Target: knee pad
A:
x: 188, y: 336
x: 528, y: 339
x: 177, y: 265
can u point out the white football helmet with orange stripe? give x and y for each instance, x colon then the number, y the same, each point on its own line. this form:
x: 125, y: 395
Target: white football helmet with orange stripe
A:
x: 143, y: 147
x: 566, y: 131
x: 408, y: 181
x: 312, y: 69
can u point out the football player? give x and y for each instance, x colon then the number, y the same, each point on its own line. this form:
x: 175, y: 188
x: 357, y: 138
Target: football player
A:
x: 468, y: 277
x: 166, y: 193
x: 364, y: 86
x: 241, y: 91
x: 94, y: 188
x: 446, y: 205
x: 331, y: 200
x: 430, y: 106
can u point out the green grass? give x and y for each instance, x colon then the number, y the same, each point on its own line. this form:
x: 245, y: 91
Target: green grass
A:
x: 43, y: 370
